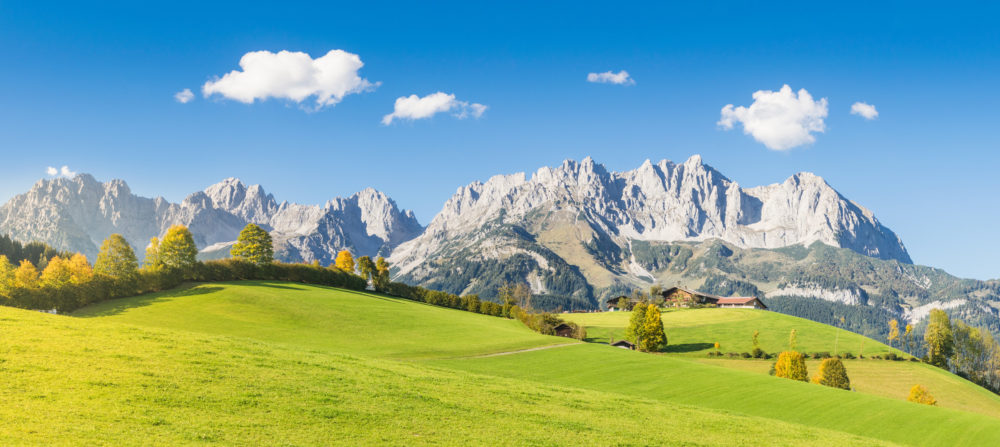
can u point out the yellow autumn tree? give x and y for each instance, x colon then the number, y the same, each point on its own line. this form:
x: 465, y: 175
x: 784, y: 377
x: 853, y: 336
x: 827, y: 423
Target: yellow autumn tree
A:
x: 791, y: 365
x: 79, y: 269
x: 893, y: 332
x: 26, y: 276
x: 57, y: 273
x: 177, y: 249
x: 6, y: 277
x: 920, y: 395
x: 654, y: 338
x: 832, y: 374
x: 344, y: 261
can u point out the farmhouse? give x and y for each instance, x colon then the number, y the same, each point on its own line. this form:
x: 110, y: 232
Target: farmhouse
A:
x: 681, y: 296
x: 613, y: 303
x: 747, y: 302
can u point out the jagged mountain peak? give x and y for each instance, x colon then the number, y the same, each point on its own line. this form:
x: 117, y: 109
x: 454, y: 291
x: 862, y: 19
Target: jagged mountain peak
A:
x: 78, y: 214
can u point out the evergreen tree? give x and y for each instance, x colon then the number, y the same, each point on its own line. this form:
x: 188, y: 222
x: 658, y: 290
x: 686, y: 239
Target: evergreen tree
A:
x: 177, y: 249
x: 833, y: 374
x: 791, y: 365
x: 920, y: 395
x: 344, y: 261
x: 117, y: 261
x: 253, y: 245
x: 938, y: 339
x: 654, y: 339
x: 636, y: 330
x: 793, y: 339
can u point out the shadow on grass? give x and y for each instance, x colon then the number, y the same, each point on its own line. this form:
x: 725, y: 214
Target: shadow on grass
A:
x: 119, y: 305
x: 689, y: 347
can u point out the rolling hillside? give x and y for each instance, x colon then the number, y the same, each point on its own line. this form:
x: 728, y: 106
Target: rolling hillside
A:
x: 693, y: 332
x: 255, y: 362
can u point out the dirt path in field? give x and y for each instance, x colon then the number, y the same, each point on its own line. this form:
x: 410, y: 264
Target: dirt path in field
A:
x: 496, y: 354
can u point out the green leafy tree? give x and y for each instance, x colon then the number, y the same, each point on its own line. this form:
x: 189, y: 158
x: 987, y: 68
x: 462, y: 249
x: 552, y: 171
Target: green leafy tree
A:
x: 152, y: 259
x: 938, y: 339
x: 177, y: 249
x: 908, y: 335
x: 381, y: 278
x: 366, y: 267
x: 636, y: 329
x: 832, y: 374
x: 344, y: 261
x: 254, y: 245
x: 920, y: 395
x: 117, y: 261
x: 791, y: 365
x: 654, y: 338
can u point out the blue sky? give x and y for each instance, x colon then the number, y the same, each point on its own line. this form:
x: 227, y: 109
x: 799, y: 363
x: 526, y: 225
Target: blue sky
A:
x: 92, y: 87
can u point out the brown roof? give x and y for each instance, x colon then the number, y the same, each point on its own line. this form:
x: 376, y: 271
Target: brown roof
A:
x: 736, y: 300
x: 692, y: 292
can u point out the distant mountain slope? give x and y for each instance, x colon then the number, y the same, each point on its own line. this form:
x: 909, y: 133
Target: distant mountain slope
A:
x: 77, y: 214
x: 584, y: 216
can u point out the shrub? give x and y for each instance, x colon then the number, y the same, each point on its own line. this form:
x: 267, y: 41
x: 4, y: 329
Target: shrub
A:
x: 791, y: 365
x: 832, y: 374
x: 920, y: 395
x: 847, y: 355
x: 746, y: 355
x: 758, y: 353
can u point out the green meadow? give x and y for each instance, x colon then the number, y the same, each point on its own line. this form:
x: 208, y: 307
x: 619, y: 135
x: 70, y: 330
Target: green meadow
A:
x: 268, y: 363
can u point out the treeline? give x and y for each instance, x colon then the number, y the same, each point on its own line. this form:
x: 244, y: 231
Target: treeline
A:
x: 69, y: 282
x: 967, y: 351
x: 37, y: 253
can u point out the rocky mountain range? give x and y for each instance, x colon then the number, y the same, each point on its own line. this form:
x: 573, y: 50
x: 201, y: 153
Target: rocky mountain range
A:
x: 576, y: 233
x: 78, y: 214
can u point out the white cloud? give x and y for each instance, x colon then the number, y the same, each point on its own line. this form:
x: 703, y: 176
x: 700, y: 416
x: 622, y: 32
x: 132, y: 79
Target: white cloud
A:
x: 294, y: 76
x: 780, y: 120
x: 414, y: 107
x: 64, y: 171
x: 620, y: 78
x: 184, y: 96
x: 865, y: 110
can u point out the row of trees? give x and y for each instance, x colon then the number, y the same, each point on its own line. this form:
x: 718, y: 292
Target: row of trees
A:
x: 968, y: 351
x: 68, y: 283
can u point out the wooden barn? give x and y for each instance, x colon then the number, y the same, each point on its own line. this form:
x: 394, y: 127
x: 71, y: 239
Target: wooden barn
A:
x: 745, y: 302
x: 565, y: 330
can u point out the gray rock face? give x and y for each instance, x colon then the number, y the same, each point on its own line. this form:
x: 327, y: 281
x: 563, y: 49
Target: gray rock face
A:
x: 655, y: 202
x: 78, y: 214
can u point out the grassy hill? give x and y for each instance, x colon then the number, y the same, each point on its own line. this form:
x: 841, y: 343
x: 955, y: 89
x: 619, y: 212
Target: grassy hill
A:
x: 693, y: 332
x: 289, y: 364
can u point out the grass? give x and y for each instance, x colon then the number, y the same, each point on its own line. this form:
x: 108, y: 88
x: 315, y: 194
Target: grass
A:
x: 685, y: 381
x: 322, y: 319
x: 125, y: 377
x: 695, y: 331
x: 894, y: 379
